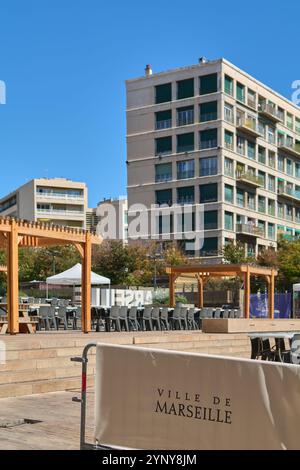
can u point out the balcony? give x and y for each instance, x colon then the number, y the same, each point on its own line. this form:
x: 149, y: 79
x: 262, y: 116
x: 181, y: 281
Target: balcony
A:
x: 289, y: 193
x: 163, y: 178
x: 250, y: 230
x: 56, y: 195
x: 286, y: 235
x: 248, y: 126
x: 289, y: 147
x: 64, y: 213
x: 164, y: 124
x: 186, y: 200
x: 250, y: 179
x: 269, y: 111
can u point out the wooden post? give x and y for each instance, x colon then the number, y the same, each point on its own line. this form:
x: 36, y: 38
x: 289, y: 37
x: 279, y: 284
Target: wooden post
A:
x: 13, y: 279
x: 247, y: 294
x: 172, y: 290
x: 86, y: 284
x: 200, y: 292
x: 271, y: 294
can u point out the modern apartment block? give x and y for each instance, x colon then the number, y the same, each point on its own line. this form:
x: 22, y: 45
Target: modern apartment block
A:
x: 117, y: 210
x: 211, y: 134
x: 55, y: 200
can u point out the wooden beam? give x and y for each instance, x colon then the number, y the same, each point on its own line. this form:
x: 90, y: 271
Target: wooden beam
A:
x: 86, y: 285
x: 13, y: 280
x: 247, y: 294
x: 80, y: 249
x: 172, y: 290
x: 200, y: 292
x: 271, y: 295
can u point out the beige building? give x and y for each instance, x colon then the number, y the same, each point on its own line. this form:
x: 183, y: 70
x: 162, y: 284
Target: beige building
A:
x: 211, y: 134
x: 56, y: 200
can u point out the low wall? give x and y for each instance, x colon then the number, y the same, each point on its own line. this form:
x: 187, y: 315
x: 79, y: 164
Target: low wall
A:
x: 244, y: 325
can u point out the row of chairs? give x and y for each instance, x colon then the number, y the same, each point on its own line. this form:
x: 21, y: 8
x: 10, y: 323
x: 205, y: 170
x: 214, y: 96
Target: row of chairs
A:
x: 261, y: 349
x: 210, y: 312
x: 53, y: 318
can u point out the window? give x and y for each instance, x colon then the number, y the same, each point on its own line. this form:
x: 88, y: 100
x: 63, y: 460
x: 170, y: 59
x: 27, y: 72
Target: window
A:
x: 272, y: 159
x: 289, y: 121
x: 208, y: 193
x: 163, y: 172
x: 240, y: 145
x: 297, y: 215
x: 280, y: 210
x: 163, y: 93
x: 251, y: 150
x: 209, y: 111
x: 289, y: 167
x: 185, y: 88
x: 280, y: 163
x: 262, y: 178
x: 210, y: 220
x: 251, y: 98
x: 261, y: 128
x: 240, y: 92
x: 262, y: 204
x: 208, y: 84
x: 271, y: 231
x: 288, y: 212
x: 228, y: 221
x: 262, y: 227
x: 185, y: 195
x: 240, y: 197
x: 297, y: 170
x: 185, y: 142
x: 185, y: 116
x: 297, y: 125
x: 164, y: 196
x: 164, y: 224
x: 271, y: 135
x: 163, y: 145
x: 208, y: 166
x: 228, y: 85
x: 271, y: 183
x: 163, y: 119
x: 271, y: 207
x: 251, y: 201
x: 229, y: 193
x: 228, y: 113
x: 210, y: 247
x: 228, y: 140
x: 261, y: 155
x: 185, y: 169
x: 208, y: 139
x: 280, y: 113
x: 228, y: 167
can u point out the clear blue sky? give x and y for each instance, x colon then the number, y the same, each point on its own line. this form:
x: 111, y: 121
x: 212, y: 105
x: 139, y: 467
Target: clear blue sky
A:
x: 65, y: 61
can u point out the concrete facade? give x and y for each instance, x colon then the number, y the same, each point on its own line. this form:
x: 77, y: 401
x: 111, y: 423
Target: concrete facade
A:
x: 56, y: 200
x: 211, y: 134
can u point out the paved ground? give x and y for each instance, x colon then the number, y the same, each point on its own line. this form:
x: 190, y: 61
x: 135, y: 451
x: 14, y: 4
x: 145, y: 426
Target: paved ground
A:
x: 59, y: 426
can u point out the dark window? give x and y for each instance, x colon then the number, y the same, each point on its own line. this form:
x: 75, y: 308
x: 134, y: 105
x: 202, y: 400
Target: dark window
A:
x: 185, y: 116
x: 163, y: 145
x: 163, y: 119
x: 185, y: 142
x: 209, y: 192
x: 210, y: 220
x: 185, y: 169
x: 163, y: 172
x: 208, y: 84
x: 185, y: 88
x: 185, y: 195
x: 210, y: 247
x: 165, y: 224
x: 208, y: 166
x: 163, y: 93
x: 164, y: 196
x: 209, y: 111
x: 208, y: 139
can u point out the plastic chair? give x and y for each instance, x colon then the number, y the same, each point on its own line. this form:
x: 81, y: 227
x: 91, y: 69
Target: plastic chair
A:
x: 164, y: 318
x: 146, y: 319
x: 217, y: 313
x: 175, y: 319
x: 123, y: 317
x: 132, y: 319
x: 155, y: 318
x: 114, y: 317
x: 226, y: 313
x: 183, y: 318
x: 62, y: 317
x: 44, y: 318
x: 192, y: 325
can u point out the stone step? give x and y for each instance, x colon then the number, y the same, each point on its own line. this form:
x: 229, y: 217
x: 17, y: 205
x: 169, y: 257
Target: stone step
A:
x: 22, y: 376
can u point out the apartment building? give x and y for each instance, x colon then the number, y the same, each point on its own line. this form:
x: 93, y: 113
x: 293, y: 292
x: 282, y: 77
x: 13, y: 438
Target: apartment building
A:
x: 56, y: 200
x: 117, y: 211
x: 210, y: 134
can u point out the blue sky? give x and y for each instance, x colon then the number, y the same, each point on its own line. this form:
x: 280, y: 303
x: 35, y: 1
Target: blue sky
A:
x: 65, y: 62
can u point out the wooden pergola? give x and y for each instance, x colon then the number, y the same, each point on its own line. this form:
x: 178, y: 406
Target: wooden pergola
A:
x: 16, y: 233
x: 203, y: 272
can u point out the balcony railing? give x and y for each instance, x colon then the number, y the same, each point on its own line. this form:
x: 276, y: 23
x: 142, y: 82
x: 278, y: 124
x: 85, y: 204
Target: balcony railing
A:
x: 162, y: 178
x: 185, y: 118
x: 164, y: 124
x: 248, y: 125
x: 251, y: 102
x: 289, y: 147
x: 269, y: 111
x: 208, y: 144
x: 285, y: 235
x: 60, y: 212
x: 185, y: 174
x: 56, y: 195
x: 248, y: 229
x: 208, y: 117
x: 288, y: 192
x: 251, y: 179
x: 228, y: 145
x: 186, y: 200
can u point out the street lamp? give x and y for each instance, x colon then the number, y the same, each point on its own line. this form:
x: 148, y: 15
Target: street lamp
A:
x: 154, y: 257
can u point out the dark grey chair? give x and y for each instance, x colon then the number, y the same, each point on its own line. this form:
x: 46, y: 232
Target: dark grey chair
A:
x: 183, y: 318
x: 147, y: 319
x: 226, y: 313
x: 217, y: 313
x: 61, y: 317
x: 114, y: 317
x: 123, y: 317
x: 44, y: 318
x: 175, y: 319
x: 132, y: 319
x: 192, y: 325
x: 164, y: 318
x: 155, y: 318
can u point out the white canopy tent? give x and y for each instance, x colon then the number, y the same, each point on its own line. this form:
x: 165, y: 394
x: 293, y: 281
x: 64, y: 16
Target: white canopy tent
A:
x: 72, y: 277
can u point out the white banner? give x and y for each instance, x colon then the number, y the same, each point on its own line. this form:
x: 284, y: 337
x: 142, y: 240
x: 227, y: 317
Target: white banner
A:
x: 156, y: 399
